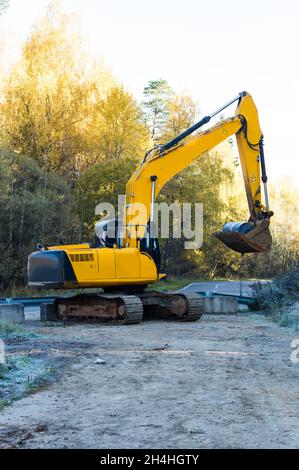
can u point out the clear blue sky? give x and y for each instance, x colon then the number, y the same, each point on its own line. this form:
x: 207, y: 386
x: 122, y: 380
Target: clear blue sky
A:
x: 211, y: 49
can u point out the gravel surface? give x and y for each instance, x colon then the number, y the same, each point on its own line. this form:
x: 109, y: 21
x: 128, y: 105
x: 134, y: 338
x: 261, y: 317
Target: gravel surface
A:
x: 222, y: 382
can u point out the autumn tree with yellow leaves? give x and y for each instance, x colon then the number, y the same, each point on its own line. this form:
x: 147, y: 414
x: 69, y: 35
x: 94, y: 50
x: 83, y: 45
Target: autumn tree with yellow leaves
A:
x: 62, y: 108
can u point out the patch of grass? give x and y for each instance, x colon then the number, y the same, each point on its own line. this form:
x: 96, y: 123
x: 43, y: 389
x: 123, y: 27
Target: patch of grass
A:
x: 58, y: 324
x: 44, y: 379
x: 23, y: 375
x: 14, y: 330
x: 285, y: 322
x: 3, y: 403
x: 173, y: 283
x: 9, y: 328
x: 3, y: 371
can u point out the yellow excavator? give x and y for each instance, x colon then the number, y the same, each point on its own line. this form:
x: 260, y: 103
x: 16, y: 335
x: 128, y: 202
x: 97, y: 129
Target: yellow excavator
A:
x: 125, y: 263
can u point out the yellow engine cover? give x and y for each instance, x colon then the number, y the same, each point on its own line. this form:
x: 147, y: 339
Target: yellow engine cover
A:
x: 100, y: 267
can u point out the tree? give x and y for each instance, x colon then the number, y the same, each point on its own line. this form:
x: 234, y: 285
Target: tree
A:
x: 156, y: 97
x: 64, y: 110
x: 121, y: 132
x: 284, y: 227
x: 182, y: 111
x: 49, y: 102
x: 36, y: 207
x: 101, y: 183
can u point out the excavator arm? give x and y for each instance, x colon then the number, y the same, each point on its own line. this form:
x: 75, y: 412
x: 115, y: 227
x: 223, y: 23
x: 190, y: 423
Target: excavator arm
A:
x: 163, y: 162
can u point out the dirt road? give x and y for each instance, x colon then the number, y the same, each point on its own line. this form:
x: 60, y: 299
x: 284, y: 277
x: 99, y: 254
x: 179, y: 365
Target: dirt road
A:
x: 223, y: 382
x: 243, y: 288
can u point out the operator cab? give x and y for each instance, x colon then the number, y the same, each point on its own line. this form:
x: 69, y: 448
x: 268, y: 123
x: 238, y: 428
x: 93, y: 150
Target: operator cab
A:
x: 107, y: 236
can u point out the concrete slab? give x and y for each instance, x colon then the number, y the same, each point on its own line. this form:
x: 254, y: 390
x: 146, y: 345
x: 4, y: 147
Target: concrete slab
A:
x: 12, y: 313
x: 48, y: 312
x: 32, y: 313
x: 221, y: 305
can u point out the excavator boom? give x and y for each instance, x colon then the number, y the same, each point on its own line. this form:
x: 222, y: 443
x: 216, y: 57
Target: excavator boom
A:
x: 164, y: 162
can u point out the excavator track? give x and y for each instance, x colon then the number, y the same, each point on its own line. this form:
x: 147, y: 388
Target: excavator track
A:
x: 172, y: 306
x: 195, y: 307
x: 125, y: 309
x: 134, y: 309
x: 106, y: 308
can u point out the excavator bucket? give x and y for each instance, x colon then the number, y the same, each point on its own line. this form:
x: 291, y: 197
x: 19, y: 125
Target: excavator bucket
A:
x: 243, y: 239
